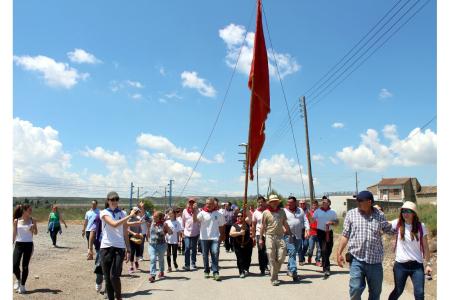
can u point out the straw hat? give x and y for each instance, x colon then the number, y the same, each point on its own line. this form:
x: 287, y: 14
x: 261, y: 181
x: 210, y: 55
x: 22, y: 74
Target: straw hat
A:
x: 410, y: 205
x: 273, y: 198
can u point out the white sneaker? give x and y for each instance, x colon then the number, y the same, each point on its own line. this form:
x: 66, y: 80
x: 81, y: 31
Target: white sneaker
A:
x: 16, y: 285
x: 21, y: 289
x: 98, y: 287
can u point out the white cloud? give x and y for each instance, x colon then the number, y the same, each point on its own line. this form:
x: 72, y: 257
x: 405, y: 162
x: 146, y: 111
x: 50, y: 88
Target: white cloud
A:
x: 318, y: 157
x: 111, y: 159
x: 115, y: 85
x: 56, y: 74
x: 80, y: 56
x: 233, y: 36
x: 419, y: 148
x: 279, y: 167
x: 162, y: 71
x: 135, y: 84
x: 162, y: 100
x: 384, y: 93
x: 136, y: 96
x: 337, y: 125
x: 191, y: 80
x: 164, y: 145
x: 219, y: 158
x: 173, y: 95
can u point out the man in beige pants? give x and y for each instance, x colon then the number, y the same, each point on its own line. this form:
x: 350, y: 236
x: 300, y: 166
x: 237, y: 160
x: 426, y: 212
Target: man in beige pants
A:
x: 274, y: 226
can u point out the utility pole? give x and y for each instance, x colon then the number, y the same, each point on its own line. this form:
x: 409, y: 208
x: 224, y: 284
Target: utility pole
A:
x: 257, y: 177
x: 356, y: 174
x: 138, y: 195
x: 131, y: 194
x: 308, y: 157
x: 269, y: 188
x: 170, y: 192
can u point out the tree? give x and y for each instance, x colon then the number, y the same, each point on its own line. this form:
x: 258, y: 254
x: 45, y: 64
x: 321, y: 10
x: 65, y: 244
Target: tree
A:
x: 148, y: 205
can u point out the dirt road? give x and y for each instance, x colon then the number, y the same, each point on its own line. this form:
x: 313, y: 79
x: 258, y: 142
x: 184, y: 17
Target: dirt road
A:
x: 64, y: 273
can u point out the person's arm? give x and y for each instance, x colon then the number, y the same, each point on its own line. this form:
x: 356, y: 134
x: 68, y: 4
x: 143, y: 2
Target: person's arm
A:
x: 83, y: 231
x: 426, y: 255
x: 62, y: 220
x: 287, y: 229
x: 48, y: 222
x: 335, y: 221
x: 195, y: 213
x: 222, y: 233
x: 262, y: 230
x: 33, y: 227
x: 108, y: 220
x: 167, y: 229
x: 14, y: 230
x: 234, y: 233
x: 342, y: 244
x: 91, y: 242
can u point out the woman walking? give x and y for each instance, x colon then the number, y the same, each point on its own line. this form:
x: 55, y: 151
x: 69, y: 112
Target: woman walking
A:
x: 157, y: 244
x: 54, y: 225
x: 136, y: 240
x: 114, y: 242
x: 23, y: 229
x: 172, y: 240
x: 411, y: 248
x: 243, y: 244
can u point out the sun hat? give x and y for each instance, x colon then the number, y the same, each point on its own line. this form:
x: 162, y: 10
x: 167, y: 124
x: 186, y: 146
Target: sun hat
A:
x: 410, y: 205
x: 273, y: 198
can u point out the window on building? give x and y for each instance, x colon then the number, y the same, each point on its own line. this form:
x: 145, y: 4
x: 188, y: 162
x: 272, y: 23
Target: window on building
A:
x: 396, y: 192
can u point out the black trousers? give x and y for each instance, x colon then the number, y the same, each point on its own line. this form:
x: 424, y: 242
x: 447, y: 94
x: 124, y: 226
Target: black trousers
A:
x: 112, y: 259
x: 134, y: 250
x: 53, y: 235
x: 263, y: 260
x: 243, y: 256
x: 172, y: 251
x: 141, y: 248
x: 22, y: 251
x: 325, y: 247
x: 228, y: 238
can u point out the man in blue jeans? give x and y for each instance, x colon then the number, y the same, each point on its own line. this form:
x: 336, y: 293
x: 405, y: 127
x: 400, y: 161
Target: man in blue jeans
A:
x: 212, y: 232
x: 191, y: 232
x: 363, y: 227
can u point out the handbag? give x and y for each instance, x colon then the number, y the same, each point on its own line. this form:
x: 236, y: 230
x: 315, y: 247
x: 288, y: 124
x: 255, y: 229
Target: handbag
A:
x: 136, y: 240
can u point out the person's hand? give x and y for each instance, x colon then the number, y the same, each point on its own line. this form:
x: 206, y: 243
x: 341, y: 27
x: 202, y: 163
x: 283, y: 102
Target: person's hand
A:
x: 340, y: 260
x: 133, y: 212
x: 127, y: 256
x: 428, y: 270
x: 261, y: 242
x: 32, y: 226
x: 254, y: 242
x: 83, y: 233
x: 330, y: 223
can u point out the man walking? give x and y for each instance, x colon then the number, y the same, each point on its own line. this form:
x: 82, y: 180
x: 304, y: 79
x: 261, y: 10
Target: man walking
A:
x: 88, y: 223
x: 274, y: 226
x: 191, y: 232
x: 363, y: 227
x: 298, y: 225
x: 325, y: 217
x: 212, y: 232
x: 228, y: 213
x: 263, y: 261
x: 303, y: 246
x: 313, y: 240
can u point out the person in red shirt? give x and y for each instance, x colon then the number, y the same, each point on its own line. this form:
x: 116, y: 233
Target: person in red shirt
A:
x: 313, y: 240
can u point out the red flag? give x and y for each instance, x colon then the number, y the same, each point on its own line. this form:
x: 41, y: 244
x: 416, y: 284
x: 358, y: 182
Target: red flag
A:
x: 258, y: 83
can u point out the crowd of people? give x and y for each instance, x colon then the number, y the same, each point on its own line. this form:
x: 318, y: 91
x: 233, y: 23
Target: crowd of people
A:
x: 294, y: 230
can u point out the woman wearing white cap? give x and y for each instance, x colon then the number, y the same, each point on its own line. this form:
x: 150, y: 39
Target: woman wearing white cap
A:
x: 411, y: 247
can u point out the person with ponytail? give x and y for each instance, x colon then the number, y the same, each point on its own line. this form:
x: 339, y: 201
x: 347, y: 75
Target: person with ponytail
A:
x: 411, y: 252
x: 157, y: 244
x: 263, y: 260
x: 54, y: 223
x: 24, y: 227
x: 242, y: 242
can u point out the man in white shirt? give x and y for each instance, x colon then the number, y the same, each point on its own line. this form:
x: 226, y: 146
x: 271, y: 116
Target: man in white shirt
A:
x: 263, y: 260
x: 212, y: 232
x: 297, y: 221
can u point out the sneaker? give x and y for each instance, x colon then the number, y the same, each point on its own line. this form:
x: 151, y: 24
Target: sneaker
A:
x: 262, y: 272
x: 326, y: 274
x: 140, y: 258
x: 193, y: 267
x: 318, y: 264
x: 136, y: 264
x: 301, y: 263
x: 176, y: 268
x: 130, y: 270
x: 21, y: 289
x: 309, y: 259
x: 161, y: 275
x: 169, y: 270
x: 16, y: 285
x: 275, y: 283
x: 242, y: 275
x: 206, y: 275
x: 98, y: 287
x: 295, y: 278
x: 151, y: 279
x: 186, y: 269
x: 216, y: 277
x: 289, y: 274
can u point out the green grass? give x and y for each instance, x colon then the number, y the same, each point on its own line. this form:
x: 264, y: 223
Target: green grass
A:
x: 72, y: 213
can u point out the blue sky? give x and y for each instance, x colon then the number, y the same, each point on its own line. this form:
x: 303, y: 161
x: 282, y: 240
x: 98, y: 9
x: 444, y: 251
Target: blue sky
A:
x: 109, y: 92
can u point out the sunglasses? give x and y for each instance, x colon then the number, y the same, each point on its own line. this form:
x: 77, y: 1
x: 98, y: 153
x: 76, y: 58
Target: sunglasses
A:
x: 407, y: 211
x: 113, y: 199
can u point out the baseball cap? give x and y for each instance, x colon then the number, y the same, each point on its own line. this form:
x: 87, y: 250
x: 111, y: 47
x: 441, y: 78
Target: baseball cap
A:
x: 364, y: 195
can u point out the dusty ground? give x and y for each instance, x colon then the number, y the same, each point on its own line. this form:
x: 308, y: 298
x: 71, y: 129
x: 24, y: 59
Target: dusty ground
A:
x: 64, y: 273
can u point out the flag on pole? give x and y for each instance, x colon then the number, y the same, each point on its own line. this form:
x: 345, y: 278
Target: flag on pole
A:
x: 258, y: 83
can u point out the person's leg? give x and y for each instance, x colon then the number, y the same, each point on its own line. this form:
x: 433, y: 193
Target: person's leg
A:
x: 152, y: 255
x: 248, y: 256
x: 418, y: 280
x: 133, y: 250
x: 227, y: 237
x: 17, y: 256
x: 322, y: 245
x: 374, y: 275
x: 187, y: 251
x: 272, y: 255
x: 205, y: 253
x: 310, y: 247
x: 318, y: 250
x: 401, y: 273
x: 194, y: 251
x: 161, y: 249
x: 28, y: 251
x: 174, y: 254
x: 239, y: 262
x: 53, y: 235
x: 281, y: 253
x: 88, y: 233
x: 357, y: 282
x: 215, y: 256
x: 329, y: 246
x: 304, y: 250
x: 260, y: 255
x: 106, y: 261
x: 169, y: 252
x: 292, y: 249
x: 116, y: 271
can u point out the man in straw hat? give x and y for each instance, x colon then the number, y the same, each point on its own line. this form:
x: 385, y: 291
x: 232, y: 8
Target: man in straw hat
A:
x: 274, y: 226
x: 363, y: 227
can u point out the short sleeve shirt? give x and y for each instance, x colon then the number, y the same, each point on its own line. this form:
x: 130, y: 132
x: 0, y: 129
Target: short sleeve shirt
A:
x: 297, y: 221
x: 408, y: 249
x: 90, y: 217
x: 274, y: 222
x: 209, y: 224
x: 112, y: 236
x: 191, y: 228
x: 322, y: 217
x: 257, y: 218
x: 175, y: 226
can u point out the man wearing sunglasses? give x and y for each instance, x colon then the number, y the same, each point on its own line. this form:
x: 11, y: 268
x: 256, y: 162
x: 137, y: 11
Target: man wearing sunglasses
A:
x: 363, y: 227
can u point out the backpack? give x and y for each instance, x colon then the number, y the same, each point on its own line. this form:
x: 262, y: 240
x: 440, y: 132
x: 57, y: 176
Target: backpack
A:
x: 420, y: 237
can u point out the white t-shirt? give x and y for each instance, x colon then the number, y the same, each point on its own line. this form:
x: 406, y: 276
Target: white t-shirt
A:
x: 180, y: 219
x: 297, y: 221
x: 23, y: 233
x: 257, y: 217
x: 407, y: 249
x: 209, y: 224
x: 112, y: 236
x: 323, y: 217
x: 176, y: 228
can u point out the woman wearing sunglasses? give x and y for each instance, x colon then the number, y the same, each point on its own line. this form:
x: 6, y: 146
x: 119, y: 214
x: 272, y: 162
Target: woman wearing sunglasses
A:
x: 411, y: 249
x: 242, y: 242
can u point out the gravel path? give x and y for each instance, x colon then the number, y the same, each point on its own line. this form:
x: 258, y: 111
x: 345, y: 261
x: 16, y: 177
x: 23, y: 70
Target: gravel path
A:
x: 64, y: 273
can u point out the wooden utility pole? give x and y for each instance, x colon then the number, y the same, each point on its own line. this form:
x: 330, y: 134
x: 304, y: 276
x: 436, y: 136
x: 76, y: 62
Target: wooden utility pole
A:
x: 356, y: 174
x: 308, y: 157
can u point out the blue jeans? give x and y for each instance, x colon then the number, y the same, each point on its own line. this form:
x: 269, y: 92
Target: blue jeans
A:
x: 313, y: 242
x: 292, y: 250
x: 402, y: 271
x: 360, y: 272
x: 302, y: 248
x: 156, y: 250
x: 210, y: 246
x: 190, y: 250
